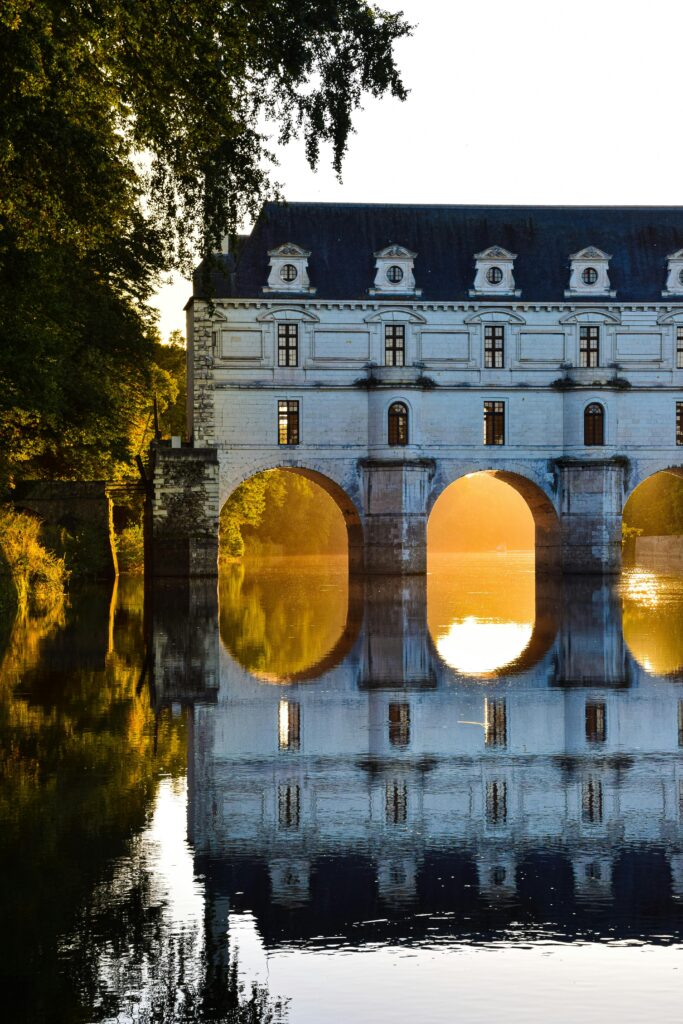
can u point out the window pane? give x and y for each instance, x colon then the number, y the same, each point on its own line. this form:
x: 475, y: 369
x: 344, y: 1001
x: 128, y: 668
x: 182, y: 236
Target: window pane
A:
x: 589, y: 346
x: 394, y: 344
x: 287, y: 422
x: 398, y: 424
x: 494, y: 350
x: 289, y: 725
x: 679, y: 348
x: 399, y: 725
x: 288, y: 345
x: 495, y: 723
x: 494, y: 423
x: 496, y: 803
x: 679, y: 423
x: 596, y: 722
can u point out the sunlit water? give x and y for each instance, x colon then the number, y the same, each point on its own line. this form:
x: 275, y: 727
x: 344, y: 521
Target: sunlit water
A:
x: 458, y: 799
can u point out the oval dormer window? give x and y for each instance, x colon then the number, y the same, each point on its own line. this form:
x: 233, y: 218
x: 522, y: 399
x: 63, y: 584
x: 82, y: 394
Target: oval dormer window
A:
x: 494, y: 275
x: 589, y: 276
x: 288, y: 273
x: 394, y: 275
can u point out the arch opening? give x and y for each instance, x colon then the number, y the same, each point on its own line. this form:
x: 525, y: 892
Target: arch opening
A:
x: 652, y: 581
x: 652, y: 522
x: 490, y: 536
x: 288, y: 538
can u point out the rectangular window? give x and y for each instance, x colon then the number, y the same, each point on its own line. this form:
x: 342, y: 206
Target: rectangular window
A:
x: 496, y: 803
x: 596, y: 721
x: 287, y: 422
x: 396, y: 794
x: 287, y: 344
x: 494, y: 422
x: 591, y: 802
x: 399, y: 725
x: 288, y: 805
x: 289, y: 725
x: 394, y: 344
x: 495, y: 723
x: 494, y: 346
x: 680, y: 723
x: 589, y: 346
x: 679, y: 423
x: 679, y: 348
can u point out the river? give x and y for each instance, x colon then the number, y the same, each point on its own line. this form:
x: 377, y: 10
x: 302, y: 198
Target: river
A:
x: 322, y: 801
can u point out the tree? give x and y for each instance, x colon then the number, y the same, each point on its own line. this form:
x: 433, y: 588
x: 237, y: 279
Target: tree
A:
x: 131, y: 142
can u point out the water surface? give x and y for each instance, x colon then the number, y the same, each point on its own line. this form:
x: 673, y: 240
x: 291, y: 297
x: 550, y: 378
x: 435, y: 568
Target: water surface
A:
x: 383, y: 800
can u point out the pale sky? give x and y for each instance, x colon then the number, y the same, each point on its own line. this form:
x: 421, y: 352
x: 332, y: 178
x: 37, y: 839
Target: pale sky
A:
x: 531, y: 102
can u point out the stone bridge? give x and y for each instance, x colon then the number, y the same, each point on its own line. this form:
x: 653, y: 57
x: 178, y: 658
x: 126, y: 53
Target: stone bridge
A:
x: 576, y: 504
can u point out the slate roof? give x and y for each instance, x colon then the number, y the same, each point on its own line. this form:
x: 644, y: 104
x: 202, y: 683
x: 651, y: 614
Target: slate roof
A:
x: 343, y: 237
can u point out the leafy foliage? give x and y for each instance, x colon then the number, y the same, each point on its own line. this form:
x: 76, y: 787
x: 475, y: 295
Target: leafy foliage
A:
x: 131, y: 140
x: 277, y: 513
x: 656, y: 507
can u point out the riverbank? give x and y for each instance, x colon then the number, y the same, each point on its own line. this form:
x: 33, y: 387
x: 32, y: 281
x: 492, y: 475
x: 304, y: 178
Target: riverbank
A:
x: 32, y: 579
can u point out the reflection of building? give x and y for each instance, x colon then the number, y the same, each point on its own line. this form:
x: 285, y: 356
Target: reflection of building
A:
x: 372, y: 799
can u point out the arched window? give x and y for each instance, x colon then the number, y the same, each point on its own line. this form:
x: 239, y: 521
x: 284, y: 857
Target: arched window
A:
x: 398, y: 424
x: 594, y: 424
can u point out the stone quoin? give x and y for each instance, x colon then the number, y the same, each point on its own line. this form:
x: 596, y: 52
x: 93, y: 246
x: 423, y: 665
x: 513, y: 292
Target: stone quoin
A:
x: 386, y: 351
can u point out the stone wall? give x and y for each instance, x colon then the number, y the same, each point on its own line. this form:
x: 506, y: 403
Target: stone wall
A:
x: 182, y: 513
x: 77, y: 522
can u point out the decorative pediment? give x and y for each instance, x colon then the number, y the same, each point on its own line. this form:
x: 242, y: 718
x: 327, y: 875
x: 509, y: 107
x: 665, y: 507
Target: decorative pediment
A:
x: 394, y: 271
x: 674, y: 276
x: 589, y: 273
x: 289, y: 270
x: 493, y: 273
x: 394, y: 252
x: 590, y: 253
x: 495, y: 252
x: 289, y: 249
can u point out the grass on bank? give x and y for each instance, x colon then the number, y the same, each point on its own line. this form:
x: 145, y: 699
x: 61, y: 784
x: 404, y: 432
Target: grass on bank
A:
x: 32, y: 579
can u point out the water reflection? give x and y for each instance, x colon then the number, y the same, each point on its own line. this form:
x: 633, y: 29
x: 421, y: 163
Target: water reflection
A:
x: 479, y: 627
x: 284, y: 620
x: 161, y: 801
x: 652, y: 620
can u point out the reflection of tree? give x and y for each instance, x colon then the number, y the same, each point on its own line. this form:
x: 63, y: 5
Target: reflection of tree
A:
x: 77, y: 769
x: 138, y: 964
x: 283, y: 618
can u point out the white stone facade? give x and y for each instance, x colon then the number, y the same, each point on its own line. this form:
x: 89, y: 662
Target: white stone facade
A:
x: 543, y: 362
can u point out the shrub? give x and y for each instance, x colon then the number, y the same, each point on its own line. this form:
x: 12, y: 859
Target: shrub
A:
x: 34, y: 578
x: 130, y: 549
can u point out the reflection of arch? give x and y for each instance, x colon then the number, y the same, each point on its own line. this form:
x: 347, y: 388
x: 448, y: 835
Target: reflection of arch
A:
x: 547, y: 545
x: 546, y: 625
x: 347, y: 507
x: 343, y: 646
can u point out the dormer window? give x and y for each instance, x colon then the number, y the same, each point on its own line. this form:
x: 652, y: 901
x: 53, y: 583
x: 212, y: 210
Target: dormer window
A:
x: 494, y: 273
x: 394, y: 272
x: 289, y: 270
x: 674, y: 277
x: 589, y: 274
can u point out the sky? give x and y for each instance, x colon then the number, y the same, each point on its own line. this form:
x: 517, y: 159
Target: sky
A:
x: 531, y: 102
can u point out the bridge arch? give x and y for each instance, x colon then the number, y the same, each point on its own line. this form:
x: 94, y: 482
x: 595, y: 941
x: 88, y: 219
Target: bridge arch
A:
x: 230, y: 481
x: 640, y: 512
x: 547, y: 531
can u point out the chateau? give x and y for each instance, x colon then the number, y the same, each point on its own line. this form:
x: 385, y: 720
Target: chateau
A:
x: 386, y: 351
